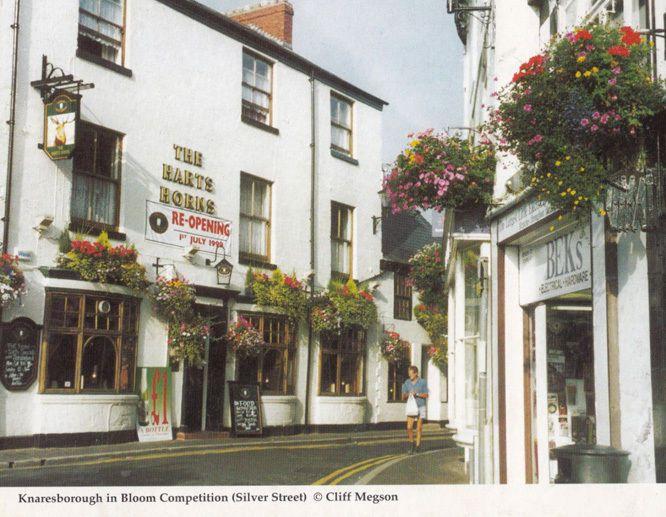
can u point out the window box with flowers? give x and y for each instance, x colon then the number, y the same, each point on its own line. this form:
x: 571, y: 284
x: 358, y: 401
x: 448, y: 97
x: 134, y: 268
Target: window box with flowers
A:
x: 244, y: 339
x: 341, y: 307
x: 12, y: 281
x: 100, y: 261
x: 279, y: 291
x: 439, y: 171
x: 574, y: 115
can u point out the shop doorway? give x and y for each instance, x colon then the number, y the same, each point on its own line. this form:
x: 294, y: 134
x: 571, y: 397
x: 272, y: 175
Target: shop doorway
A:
x: 560, y: 393
x: 203, y: 388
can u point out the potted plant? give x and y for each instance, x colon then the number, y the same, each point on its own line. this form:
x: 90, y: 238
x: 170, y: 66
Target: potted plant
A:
x: 99, y: 261
x: 173, y: 298
x: 437, y: 354
x: 187, y: 340
x: 426, y: 273
x: 343, y: 306
x: 393, y: 348
x: 244, y: 339
x: 574, y: 115
x: 439, y: 171
x: 12, y: 281
x: 284, y: 292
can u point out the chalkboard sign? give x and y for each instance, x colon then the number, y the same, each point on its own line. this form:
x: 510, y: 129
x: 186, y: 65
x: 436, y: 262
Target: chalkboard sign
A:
x: 19, y: 352
x: 245, y: 401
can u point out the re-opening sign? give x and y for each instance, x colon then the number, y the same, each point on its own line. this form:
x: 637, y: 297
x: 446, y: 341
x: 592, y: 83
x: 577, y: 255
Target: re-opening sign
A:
x: 179, y: 227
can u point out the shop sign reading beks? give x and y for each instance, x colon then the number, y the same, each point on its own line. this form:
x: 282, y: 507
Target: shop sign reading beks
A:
x: 559, y: 266
x: 183, y: 219
x: 60, y: 117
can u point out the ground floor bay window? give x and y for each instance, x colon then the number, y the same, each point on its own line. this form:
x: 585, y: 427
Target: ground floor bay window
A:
x: 341, y: 362
x: 273, y: 368
x: 90, y: 342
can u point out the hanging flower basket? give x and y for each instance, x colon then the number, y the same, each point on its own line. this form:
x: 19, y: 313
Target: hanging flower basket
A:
x: 187, y: 341
x: 427, y: 272
x: 99, y: 261
x: 284, y: 292
x: 575, y: 114
x: 394, y: 349
x: 437, y: 354
x: 323, y: 315
x: 244, y: 339
x: 439, y: 171
x: 12, y: 281
x: 173, y: 298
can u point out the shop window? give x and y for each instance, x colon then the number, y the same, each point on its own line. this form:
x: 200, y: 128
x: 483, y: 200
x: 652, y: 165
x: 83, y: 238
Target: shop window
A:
x: 397, y: 375
x: 96, y: 182
x: 341, y: 241
x: 402, y: 297
x: 273, y: 368
x: 255, y: 219
x: 341, y: 125
x: 341, y: 363
x: 257, y: 88
x: 472, y: 311
x: 101, y: 29
x: 90, y: 343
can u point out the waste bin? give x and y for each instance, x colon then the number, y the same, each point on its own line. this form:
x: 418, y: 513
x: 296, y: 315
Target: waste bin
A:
x: 581, y: 463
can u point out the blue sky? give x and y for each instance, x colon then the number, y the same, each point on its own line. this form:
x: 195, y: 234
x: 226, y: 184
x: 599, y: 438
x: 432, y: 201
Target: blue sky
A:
x: 404, y: 51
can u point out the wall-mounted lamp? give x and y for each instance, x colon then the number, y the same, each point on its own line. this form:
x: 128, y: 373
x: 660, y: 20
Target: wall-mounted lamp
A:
x: 223, y: 268
x: 43, y: 223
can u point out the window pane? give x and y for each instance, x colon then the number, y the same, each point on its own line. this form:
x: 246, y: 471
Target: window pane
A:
x: 248, y: 64
x: 98, y: 367
x: 246, y: 196
x: 244, y: 235
x: 61, y: 362
x: 345, y: 224
x: 345, y: 115
x: 102, y: 314
x: 108, y: 155
x: 258, y: 233
x: 263, y: 70
x: 84, y: 156
x: 272, y: 370
x: 349, y: 374
x: 335, y: 115
x: 328, y: 373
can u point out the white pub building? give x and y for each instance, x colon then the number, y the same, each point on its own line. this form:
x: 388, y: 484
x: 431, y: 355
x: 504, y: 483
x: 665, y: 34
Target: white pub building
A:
x: 201, y: 129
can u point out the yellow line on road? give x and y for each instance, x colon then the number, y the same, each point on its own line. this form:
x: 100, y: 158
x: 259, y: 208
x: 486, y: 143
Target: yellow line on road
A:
x: 364, y: 467
x: 335, y: 473
x: 204, y: 452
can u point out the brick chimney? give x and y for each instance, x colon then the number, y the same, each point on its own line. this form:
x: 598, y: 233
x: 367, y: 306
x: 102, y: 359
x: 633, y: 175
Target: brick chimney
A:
x: 274, y: 18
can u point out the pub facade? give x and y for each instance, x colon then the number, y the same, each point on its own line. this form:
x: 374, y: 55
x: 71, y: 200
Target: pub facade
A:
x: 199, y: 142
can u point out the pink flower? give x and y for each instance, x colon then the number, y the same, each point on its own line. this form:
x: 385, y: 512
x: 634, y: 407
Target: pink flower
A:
x: 612, y: 81
x: 594, y: 128
x: 617, y: 70
x: 585, y: 122
x: 527, y: 107
x: 604, y: 118
x: 596, y: 115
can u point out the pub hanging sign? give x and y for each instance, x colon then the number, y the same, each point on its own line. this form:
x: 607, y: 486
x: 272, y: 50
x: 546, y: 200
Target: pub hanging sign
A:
x: 60, y: 117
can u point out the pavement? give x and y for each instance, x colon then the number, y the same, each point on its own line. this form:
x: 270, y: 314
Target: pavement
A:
x: 328, y: 458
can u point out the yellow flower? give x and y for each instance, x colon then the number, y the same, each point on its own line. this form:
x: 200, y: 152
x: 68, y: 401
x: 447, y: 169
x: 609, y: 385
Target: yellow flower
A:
x: 559, y: 183
x: 581, y: 59
x: 651, y: 43
x: 587, y: 73
x: 573, y: 192
x: 558, y: 163
x: 563, y: 194
x: 559, y: 217
x: 578, y: 74
x: 581, y: 170
x: 552, y: 228
x: 568, y: 158
x: 568, y: 189
x: 414, y: 143
x: 602, y: 212
x: 548, y: 175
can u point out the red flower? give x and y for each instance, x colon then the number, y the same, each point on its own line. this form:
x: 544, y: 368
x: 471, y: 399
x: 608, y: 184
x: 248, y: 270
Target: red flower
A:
x: 366, y: 295
x: 533, y: 66
x: 619, y: 50
x: 630, y: 36
x: 582, y: 34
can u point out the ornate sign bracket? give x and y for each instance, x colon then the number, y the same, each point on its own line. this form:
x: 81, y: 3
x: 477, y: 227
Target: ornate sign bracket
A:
x: 635, y: 200
x: 54, y: 80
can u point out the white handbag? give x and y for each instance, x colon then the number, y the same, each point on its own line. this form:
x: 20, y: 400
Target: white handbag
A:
x: 411, y: 409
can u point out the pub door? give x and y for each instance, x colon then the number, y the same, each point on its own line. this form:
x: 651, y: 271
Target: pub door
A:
x: 203, y: 388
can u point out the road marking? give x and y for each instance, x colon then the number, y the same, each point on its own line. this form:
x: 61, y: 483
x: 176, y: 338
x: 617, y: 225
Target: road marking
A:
x: 206, y: 452
x: 335, y: 473
x: 365, y: 480
x: 350, y: 473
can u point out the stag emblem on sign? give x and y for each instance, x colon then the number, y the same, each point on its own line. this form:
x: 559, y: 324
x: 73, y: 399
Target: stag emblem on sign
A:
x: 60, y: 137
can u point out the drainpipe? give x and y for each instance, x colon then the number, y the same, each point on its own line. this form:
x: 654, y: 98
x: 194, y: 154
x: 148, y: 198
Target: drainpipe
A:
x: 12, y: 123
x: 313, y: 175
x: 481, y: 361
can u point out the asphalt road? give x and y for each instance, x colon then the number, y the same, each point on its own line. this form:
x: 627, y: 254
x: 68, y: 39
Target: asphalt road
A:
x: 365, y: 461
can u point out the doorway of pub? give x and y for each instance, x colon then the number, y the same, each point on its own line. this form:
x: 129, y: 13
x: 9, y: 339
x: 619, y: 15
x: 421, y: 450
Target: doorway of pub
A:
x: 559, y: 380
x: 203, y: 387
